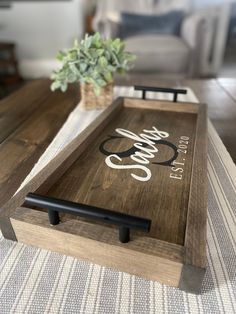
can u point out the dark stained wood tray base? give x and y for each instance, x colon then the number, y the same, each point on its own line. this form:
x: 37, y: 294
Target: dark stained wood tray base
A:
x: 143, y: 158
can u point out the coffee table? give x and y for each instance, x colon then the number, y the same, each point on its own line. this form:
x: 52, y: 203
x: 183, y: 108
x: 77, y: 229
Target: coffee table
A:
x: 31, y: 117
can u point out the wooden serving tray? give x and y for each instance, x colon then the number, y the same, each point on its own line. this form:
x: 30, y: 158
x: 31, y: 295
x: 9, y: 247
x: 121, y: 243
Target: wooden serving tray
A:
x: 140, y: 167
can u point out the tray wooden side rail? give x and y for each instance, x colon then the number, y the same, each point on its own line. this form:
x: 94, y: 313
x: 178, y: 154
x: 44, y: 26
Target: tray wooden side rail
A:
x: 139, y: 158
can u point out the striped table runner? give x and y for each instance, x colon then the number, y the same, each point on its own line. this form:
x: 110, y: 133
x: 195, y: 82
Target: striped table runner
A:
x: 37, y: 281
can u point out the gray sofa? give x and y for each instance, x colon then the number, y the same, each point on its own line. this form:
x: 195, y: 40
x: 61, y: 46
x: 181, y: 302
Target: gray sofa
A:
x: 167, y: 55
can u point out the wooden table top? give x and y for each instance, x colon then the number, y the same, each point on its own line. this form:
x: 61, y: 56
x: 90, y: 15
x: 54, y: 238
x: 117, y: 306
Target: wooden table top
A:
x: 31, y: 117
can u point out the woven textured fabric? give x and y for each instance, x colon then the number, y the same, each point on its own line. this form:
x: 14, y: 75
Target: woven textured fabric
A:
x: 91, y: 101
x: 37, y: 281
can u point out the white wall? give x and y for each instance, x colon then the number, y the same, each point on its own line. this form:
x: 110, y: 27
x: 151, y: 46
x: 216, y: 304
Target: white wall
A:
x: 40, y: 29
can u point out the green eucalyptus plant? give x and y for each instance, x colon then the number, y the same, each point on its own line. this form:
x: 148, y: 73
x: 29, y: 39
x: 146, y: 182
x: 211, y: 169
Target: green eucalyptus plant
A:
x: 92, y: 61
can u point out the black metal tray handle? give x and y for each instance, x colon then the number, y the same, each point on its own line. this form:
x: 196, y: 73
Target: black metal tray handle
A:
x: 54, y: 206
x: 174, y: 91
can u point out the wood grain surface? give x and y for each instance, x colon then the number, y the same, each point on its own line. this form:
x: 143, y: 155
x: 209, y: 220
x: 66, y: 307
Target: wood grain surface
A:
x: 105, y: 234
x: 162, y: 199
x: 55, y: 168
x: 221, y: 110
x: 218, y: 94
x: 160, y: 105
x: 137, y: 258
x: 30, y: 120
x: 195, y: 239
x: 19, y: 106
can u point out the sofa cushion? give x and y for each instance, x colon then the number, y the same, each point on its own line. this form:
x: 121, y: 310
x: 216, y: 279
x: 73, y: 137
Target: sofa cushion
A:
x: 138, y: 24
x: 159, y: 53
